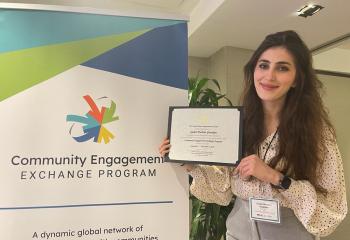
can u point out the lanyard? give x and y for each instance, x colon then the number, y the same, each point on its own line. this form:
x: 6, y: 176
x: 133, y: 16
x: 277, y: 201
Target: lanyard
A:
x: 268, y: 147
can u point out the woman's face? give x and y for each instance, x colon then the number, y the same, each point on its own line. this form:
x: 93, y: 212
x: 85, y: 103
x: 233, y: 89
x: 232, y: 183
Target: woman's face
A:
x: 274, y: 75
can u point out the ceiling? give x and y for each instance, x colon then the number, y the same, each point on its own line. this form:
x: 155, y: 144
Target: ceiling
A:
x: 244, y: 23
x: 238, y: 23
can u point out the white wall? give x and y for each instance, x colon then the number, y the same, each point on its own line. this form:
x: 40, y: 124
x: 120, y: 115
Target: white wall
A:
x: 337, y: 100
x: 326, y: 60
x: 226, y: 65
x: 197, y: 65
x: 237, y: 58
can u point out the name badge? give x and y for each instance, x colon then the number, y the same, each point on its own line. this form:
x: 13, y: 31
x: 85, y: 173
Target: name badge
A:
x: 267, y: 210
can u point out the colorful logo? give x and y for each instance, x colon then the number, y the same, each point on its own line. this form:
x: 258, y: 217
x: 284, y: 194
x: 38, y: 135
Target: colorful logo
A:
x: 93, y: 122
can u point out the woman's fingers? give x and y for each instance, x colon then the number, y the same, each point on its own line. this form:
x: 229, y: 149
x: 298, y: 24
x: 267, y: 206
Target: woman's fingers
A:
x: 164, y: 152
x: 165, y: 142
x: 189, y: 167
x: 244, y: 169
x: 164, y: 147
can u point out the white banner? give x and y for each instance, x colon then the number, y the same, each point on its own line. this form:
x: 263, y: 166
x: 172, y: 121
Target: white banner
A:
x: 79, y: 156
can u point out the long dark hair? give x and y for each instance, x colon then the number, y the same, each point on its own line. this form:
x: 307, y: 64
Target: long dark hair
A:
x: 303, y: 118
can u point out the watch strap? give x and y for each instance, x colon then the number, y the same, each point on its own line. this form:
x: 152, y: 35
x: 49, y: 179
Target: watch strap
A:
x: 284, y: 183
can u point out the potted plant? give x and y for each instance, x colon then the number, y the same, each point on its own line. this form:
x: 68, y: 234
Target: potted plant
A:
x: 208, y: 219
x: 201, y: 95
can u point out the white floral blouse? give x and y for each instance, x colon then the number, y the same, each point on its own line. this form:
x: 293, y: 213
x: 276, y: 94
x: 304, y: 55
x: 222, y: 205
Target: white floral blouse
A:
x: 319, y: 213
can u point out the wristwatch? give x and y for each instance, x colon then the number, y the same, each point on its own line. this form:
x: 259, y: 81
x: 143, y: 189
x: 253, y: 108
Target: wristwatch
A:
x: 284, y: 182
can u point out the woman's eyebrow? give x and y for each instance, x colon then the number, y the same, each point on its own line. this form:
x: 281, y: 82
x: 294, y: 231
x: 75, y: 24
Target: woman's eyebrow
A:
x: 279, y: 62
x: 283, y: 62
x: 264, y: 60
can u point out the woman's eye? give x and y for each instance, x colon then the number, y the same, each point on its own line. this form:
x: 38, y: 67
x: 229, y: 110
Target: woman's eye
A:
x: 263, y: 66
x: 283, y: 68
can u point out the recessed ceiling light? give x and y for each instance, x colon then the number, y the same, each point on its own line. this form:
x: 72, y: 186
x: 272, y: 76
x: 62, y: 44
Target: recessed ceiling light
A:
x: 309, y: 10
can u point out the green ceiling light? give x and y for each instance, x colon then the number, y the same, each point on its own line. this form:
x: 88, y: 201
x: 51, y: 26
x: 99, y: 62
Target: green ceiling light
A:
x: 309, y: 10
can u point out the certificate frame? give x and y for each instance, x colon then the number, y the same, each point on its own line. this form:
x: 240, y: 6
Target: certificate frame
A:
x: 196, y: 157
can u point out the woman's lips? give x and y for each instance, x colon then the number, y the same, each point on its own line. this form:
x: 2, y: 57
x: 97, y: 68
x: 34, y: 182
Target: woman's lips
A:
x: 268, y: 87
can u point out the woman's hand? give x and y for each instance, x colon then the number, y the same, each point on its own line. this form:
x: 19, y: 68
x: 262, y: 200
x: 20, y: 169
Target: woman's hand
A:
x: 189, y: 167
x: 254, y: 166
x: 164, y: 147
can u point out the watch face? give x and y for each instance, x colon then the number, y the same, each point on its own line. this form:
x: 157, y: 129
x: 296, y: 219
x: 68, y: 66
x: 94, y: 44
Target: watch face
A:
x: 286, y: 182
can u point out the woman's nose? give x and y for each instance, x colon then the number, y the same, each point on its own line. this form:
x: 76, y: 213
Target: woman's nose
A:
x: 270, y: 74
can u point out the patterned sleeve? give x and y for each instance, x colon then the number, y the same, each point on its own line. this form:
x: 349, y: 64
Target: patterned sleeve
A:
x: 252, y: 188
x: 211, y: 184
x: 320, y: 213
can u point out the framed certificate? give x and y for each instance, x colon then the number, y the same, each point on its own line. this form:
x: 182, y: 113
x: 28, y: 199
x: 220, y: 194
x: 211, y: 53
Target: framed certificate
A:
x: 205, y: 135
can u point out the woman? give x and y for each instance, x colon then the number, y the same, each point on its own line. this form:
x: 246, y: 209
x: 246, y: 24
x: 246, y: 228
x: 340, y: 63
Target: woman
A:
x: 290, y: 149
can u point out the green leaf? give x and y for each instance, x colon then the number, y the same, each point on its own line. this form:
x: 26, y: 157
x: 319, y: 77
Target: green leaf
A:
x: 216, y: 83
x: 200, y: 83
